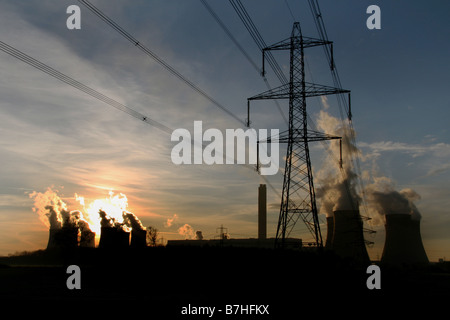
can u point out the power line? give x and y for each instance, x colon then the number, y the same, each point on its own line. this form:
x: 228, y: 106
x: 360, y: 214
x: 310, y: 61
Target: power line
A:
x: 93, y: 93
x: 230, y: 35
x: 290, y: 11
x: 80, y: 86
x: 344, y: 104
x: 242, y: 50
x: 250, y: 26
x: 155, y: 57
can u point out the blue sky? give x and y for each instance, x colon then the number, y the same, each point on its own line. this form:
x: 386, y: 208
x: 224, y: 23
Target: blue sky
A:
x: 54, y: 135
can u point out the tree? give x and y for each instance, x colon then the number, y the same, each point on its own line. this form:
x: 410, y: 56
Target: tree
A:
x: 152, y: 235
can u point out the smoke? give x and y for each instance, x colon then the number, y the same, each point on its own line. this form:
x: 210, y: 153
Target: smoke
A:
x: 48, y: 206
x: 84, y: 225
x: 338, y: 190
x: 198, y: 235
x: 187, y: 231
x: 337, y: 181
x: 133, y: 221
x: 109, y: 212
x: 384, y: 199
x: 53, y: 211
x: 107, y: 221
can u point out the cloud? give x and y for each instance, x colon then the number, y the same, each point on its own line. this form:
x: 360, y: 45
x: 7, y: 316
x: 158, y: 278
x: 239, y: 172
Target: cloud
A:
x: 387, y: 146
x: 439, y: 169
x: 415, y: 150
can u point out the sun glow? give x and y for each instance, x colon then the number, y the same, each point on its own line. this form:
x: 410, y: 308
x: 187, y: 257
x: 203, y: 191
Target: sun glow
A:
x: 114, y: 206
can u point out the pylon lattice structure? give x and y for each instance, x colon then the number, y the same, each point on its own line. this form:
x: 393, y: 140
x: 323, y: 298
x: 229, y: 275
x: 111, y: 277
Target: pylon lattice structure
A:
x: 298, y: 195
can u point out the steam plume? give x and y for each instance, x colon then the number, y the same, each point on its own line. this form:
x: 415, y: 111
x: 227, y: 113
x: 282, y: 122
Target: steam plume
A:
x: 384, y: 199
x: 337, y: 190
x: 187, y: 231
x: 170, y: 221
x: 53, y: 212
x: 133, y: 221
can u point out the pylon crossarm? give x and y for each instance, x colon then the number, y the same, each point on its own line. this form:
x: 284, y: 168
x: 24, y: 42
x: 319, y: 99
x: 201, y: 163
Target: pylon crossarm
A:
x: 311, y: 90
x: 308, y: 42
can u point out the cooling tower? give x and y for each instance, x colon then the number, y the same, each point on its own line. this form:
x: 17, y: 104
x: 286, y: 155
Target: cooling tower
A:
x: 330, y: 231
x: 66, y: 237
x: 138, y: 238
x: 262, y: 212
x: 87, y: 239
x: 348, y: 237
x: 113, y: 238
x: 403, y: 244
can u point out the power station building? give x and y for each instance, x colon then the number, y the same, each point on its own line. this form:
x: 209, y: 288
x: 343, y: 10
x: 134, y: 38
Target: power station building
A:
x: 261, y: 242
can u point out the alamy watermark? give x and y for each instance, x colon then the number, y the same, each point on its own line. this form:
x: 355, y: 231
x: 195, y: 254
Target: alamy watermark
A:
x: 235, y: 147
x: 374, y: 20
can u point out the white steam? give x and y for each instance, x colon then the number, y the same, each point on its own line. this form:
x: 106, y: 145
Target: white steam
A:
x: 383, y: 199
x: 338, y: 186
x: 337, y: 181
x: 187, y: 231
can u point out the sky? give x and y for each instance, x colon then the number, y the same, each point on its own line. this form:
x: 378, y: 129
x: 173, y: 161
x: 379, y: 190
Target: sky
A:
x: 54, y: 136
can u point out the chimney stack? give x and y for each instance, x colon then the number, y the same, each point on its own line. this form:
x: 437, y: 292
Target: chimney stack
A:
x: 262, y: 212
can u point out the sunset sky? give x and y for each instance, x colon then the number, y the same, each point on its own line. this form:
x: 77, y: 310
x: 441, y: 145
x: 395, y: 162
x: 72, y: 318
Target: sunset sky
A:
x: 53, y: 135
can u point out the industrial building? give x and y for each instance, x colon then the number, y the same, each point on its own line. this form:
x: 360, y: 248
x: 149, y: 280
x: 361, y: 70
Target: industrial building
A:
x: 261, y: 242
x: 290, y: 243
x: 344, y: 237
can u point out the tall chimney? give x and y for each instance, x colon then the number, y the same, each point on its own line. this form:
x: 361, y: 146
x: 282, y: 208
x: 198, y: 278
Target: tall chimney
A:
x: 403, y: 244
x: 348, y: 237
x: 262, y: 212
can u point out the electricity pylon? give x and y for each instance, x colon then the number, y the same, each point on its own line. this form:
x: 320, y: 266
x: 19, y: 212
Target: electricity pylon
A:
x: 298, y: 195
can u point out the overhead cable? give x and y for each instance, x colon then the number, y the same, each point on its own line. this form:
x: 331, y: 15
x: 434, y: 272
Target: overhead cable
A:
x: 155, y: 57
x: 250, y: 26
x: 80, y: 86
x: 242, y: 50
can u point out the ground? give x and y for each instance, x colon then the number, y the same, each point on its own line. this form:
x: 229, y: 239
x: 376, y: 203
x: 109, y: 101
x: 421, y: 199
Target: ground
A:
x: 165, y: 280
